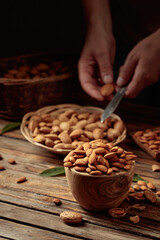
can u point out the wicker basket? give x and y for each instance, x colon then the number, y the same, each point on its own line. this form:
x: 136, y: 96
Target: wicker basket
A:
x: 19, y: 96
x: 56, y: 110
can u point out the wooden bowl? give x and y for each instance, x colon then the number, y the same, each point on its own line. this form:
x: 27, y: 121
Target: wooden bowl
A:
x: 97, y: 193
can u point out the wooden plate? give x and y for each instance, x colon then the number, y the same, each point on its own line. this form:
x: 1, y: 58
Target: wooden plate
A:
x: 56, y: 110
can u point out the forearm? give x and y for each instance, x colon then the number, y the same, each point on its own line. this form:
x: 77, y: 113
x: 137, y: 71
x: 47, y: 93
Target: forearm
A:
x: 97, y: 12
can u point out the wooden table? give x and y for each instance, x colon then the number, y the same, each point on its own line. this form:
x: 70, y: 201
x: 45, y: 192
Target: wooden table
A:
x: 27, y: 210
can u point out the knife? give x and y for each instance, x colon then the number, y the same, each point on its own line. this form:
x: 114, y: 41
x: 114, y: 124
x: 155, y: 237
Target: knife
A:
x: 113, y: 104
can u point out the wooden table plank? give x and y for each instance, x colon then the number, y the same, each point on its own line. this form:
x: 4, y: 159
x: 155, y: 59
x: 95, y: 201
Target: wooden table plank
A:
x: 19, y: 231
x: 34, y: 198
x: 52, y: 222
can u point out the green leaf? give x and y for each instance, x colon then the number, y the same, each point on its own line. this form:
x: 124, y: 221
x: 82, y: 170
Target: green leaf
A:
x: 10, y: 127
x: 51, y: 172
x: 137, y: 177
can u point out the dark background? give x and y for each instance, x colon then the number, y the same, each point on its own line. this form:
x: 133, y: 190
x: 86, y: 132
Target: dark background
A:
x: 57, y: 26
x: 44, y: 25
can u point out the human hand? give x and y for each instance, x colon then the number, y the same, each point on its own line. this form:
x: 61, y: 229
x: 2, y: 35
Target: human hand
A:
x: 98, y: 53
x: 142, y: 66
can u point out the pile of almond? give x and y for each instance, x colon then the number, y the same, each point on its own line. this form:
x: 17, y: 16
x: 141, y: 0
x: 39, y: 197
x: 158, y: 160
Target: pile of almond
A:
x: 37, y: 71
x: 69, y: 129
x: 97, y: 158
x: 143, y: 190
x: 150, y: 138
x: 149, y: 141
x: 137, y: 196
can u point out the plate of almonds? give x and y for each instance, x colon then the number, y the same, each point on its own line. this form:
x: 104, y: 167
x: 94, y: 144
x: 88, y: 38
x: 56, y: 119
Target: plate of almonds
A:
x: 62, y: 128
x: 149, y: 141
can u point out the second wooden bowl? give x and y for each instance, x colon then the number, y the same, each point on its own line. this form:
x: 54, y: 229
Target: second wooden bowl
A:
x: 97, y: 193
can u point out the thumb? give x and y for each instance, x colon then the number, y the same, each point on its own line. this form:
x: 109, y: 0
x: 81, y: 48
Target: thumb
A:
x: 105, y: 68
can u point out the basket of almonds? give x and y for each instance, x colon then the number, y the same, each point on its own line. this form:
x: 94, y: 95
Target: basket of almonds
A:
x: 63, y: 127
x: 30, y: 82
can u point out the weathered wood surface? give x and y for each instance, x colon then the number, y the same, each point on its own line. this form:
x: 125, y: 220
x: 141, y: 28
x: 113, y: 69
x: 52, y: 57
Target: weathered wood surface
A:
x: 27, y: 210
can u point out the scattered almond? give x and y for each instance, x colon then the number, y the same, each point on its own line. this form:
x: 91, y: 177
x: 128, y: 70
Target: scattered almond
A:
x: 117, y: 212
x: 138, y: 207
x: 155, y: 168
x: 136, y: 187
x: 11, y: 161
x: 158, y: 193
x: 71, y: 217
x: 57, y: 201
x: 134, y: 219
x: 151, y: 186
x: 150, y: 196
x: 141, y: 183
x: 21, y: 180
x: 2, y: 168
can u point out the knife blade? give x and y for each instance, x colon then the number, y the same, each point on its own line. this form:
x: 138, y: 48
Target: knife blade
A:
x: 113, y: 104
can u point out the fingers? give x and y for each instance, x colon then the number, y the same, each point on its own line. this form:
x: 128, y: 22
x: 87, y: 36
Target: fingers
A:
x: 87, y: 80
x: 141, y: 79
x: 127, y: 70
x: 135, y: 86
x: 105, y: 67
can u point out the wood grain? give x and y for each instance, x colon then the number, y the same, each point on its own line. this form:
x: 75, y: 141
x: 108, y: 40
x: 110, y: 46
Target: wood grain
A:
x: 97, y: 193
x: 54, y: 223
x: 27, y: 209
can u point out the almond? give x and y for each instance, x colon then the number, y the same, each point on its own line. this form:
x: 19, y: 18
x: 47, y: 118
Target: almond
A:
x: 57, y: 201
x: 151, y: 186
x: 100, y: 150
x: 134, y: 219
x: 150, y: 196
x: 88, y: 134
x: 102, y: 168
x: 76, y: 133
x: 91, y: 126
x: 80, y: 168
x: 92, y: 158
x: 11, y: 161
x: 45, y: 130
x: 96, y: 172
x: 141, y: 183
x: 155, y: 167
x: 81, y: 124
x: 64, y: 126
x: 130, y: 157
x: 119, y: 125
x: 68, y: 164
x: 98, y: 133
x: 117, y: 212
x: 2, y: 168
x: 109, y: 155
x: 21, y: 180
x: 32, y: 125
x: 107, y: 89
x: 64, y: 137
x: 86, y: 146
x: 51, y: 136
x: 71, y: 217
x: 39, y: 138
x: 138, y: 207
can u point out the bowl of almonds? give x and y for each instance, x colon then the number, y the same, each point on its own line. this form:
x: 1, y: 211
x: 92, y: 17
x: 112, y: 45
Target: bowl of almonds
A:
x: 62, y: 128
x: 99, y: 174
